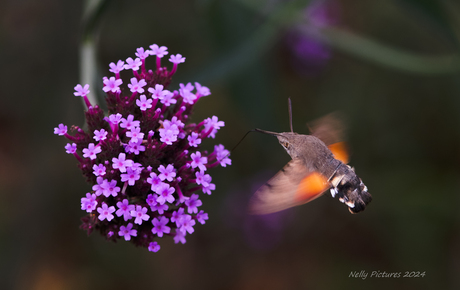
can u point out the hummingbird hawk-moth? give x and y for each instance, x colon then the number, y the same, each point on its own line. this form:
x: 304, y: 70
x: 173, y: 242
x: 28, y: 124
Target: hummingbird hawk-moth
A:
x: 319, y: 162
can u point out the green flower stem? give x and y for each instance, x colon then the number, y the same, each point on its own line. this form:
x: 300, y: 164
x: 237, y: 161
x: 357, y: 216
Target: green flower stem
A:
x: 92, y: 16
x: 382, y: 54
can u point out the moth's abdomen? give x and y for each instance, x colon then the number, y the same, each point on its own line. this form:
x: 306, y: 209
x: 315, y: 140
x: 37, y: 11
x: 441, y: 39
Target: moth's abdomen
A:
x: 350, y: 189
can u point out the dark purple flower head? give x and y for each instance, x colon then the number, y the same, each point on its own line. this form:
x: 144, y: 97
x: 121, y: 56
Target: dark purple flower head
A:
x: 143, y: 157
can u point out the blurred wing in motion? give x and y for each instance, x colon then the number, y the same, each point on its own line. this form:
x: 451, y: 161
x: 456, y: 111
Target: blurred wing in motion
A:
x: 340, y: 151
x: 291, y: 186
x: 332, y: 131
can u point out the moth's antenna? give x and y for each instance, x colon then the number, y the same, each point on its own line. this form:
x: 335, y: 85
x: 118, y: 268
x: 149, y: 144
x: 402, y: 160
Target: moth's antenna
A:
x: 290, y: 114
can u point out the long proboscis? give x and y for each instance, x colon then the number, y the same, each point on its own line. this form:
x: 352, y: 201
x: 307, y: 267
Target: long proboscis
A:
x: 265, y: 131
x: 254, y: 130
x: 241, y: 141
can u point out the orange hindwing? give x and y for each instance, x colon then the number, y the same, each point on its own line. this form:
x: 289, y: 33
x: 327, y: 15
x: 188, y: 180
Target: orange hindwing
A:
x: 311, y: 187
x: 340, y: 151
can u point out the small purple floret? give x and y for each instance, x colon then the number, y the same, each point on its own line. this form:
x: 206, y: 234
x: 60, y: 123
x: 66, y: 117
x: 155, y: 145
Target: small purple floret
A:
x: 160, y: 226
x: 154, y: 247
x: 127, y: 232
x: 105, y: 212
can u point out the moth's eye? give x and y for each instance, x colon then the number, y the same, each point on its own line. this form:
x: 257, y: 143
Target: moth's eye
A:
x: 286, y: 144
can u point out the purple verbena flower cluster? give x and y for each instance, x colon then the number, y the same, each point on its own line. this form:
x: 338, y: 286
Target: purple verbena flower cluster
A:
x: 143, y: 160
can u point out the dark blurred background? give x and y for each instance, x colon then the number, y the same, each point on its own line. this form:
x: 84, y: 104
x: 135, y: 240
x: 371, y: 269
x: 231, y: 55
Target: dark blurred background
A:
x: 392, y: 67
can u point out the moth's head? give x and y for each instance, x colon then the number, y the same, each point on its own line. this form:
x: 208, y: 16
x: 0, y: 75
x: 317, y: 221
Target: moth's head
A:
x: 291, y: 142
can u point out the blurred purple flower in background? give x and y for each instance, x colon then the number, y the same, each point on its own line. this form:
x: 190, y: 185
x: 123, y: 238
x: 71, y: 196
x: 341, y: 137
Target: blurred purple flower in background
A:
x: 310, y: 55
x: 143, y: 159
x: 261, y: 232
